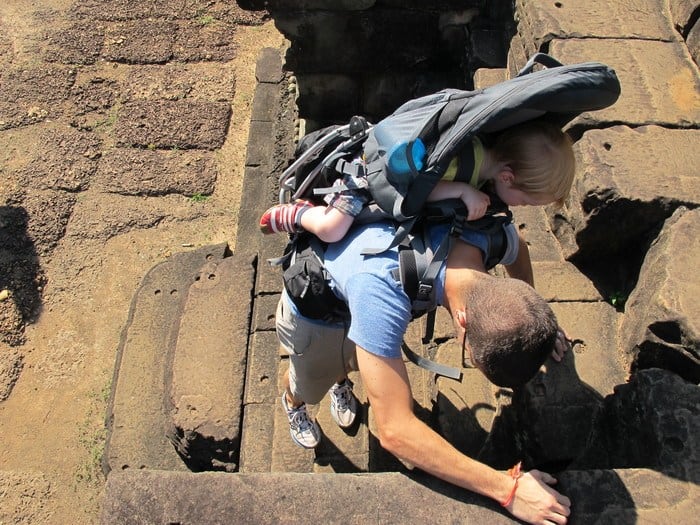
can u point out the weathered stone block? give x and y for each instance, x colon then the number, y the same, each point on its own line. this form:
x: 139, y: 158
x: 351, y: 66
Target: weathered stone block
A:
x: 628, y: 496
x: 466, y: 409
x: 172, y: 497
x: 693, y: 42
x: 11, y: 333
x: 671, y: 99
x: 270, y: 277
x: 266, y: 102
x: 209, y: 363
x: 261, y: 144
x: 119, y: 10
x: 533, y: 224
x: 75, y: 45
x: 204, y: 39
x: 144, y: 172
x: 256, y: 438
x: 93, y: 94
x: 176, y: 81
x: 624, y: 195
x: 106, y: 215
x: 520, y: 50
x: 541, y: 22
x: 182, y: 124
x: 652, y: 422
x: 49, y: 212
x: 30, y: 95
x: 660, y: 327
x: 682, y: 13
x: 140, y: 42
x: 263, y: 369
x: 561, y: 281
x: 264, y: 315
x: 592, y: 326
x: 137, y: 417
x: 64, y: 159
x: 24, y: 496
x: 268, y: 68
x: 485, y: 77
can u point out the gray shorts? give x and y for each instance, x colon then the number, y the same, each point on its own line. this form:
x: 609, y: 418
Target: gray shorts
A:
x: 319, y: 353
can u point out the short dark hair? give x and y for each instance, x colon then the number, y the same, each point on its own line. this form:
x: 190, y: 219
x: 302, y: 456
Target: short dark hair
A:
x: 511, y: 330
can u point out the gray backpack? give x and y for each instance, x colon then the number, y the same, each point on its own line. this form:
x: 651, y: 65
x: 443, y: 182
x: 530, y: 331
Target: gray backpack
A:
x: 407, y: 153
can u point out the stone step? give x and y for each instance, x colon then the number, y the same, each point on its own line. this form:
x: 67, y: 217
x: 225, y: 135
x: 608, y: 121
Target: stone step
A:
x: 137, y: 416
x: 602, y: 496
x: 205, y: 387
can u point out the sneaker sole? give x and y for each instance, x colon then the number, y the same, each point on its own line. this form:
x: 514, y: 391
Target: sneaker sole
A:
x: 300, y: 444
x: 339, y: 423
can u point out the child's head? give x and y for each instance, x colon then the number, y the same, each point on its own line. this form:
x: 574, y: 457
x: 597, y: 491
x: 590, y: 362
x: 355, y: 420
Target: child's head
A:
x: 541, y: 158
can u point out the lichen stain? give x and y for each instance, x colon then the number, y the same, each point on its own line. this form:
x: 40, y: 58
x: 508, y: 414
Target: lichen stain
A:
x: 683, y: 90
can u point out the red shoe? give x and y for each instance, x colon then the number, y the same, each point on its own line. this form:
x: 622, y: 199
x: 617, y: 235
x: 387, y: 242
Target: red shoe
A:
x: 284, y: 217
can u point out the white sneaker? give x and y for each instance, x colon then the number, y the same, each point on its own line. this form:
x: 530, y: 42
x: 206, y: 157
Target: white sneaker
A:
x: 343, y: 404
x: 304, y: 431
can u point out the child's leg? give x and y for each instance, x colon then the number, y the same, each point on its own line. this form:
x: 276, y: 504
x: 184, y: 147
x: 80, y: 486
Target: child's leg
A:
x: 284, y: 217
x: 326, y: 222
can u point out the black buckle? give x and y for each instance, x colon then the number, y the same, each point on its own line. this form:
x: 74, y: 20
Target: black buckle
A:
x: 457, y: 225
x: 358, y: 127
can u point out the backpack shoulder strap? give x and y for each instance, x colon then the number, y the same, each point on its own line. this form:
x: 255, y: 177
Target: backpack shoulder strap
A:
x: 418, y: 269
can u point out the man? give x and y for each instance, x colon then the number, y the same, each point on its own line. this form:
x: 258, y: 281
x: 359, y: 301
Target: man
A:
x: 511, y: 331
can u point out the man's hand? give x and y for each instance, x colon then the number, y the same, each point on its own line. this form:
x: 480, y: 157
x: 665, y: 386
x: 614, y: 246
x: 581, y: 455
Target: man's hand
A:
x: 536, y: 502
x: 561, y: 345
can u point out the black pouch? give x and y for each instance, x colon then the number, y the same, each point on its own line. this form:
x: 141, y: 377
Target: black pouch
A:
x: 306, y: 281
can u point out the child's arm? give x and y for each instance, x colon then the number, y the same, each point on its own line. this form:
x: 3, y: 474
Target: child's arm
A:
x: 476, y: 201
x: 326, y: 222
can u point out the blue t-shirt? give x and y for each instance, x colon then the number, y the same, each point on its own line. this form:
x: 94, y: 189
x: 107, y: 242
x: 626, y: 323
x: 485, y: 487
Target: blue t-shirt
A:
x: 379, y: 308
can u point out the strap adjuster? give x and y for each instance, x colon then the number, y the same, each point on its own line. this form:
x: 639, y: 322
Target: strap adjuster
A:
x: 424, y: 291
x: 457, y: 226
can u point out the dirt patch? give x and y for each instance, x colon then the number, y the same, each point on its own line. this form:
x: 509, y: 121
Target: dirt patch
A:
x: 74, y: 241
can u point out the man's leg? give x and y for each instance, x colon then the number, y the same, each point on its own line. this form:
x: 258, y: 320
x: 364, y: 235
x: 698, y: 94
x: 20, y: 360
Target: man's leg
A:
x: 317, y: 357
x: 344, y: 404
x: 305, y: 431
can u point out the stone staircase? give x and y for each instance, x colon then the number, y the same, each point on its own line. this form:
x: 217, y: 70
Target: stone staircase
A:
x: 197, y: 381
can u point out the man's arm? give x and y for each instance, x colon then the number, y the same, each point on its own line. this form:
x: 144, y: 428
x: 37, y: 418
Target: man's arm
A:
x: 407, y: 437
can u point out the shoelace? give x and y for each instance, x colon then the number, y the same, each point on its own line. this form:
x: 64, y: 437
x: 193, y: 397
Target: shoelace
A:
x: 300, y: 420
x: 342, y: 396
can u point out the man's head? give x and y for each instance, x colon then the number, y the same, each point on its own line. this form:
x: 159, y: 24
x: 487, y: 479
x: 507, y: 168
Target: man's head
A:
x: 510, y: 329
x: 538, y: 164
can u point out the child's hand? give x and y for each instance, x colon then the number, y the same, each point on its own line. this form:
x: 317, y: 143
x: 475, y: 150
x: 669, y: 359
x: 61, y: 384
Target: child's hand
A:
x: 476, y: 202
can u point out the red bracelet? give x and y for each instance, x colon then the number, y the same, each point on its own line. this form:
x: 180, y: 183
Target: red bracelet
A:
x: 515, y: 473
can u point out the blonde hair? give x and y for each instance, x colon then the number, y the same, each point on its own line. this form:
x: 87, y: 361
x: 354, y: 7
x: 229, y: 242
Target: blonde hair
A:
x: 541, y: 156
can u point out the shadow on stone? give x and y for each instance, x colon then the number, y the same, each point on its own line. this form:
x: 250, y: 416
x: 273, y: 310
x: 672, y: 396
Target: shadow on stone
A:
x: 21, y: 276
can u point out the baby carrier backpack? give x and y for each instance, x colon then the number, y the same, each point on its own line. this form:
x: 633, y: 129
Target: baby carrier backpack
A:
x: 404, y: 156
